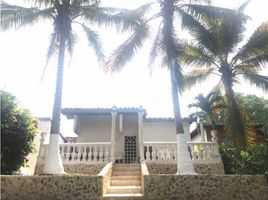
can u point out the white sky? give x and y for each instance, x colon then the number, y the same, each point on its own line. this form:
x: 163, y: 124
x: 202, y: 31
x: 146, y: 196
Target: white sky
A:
x: 22, y: 57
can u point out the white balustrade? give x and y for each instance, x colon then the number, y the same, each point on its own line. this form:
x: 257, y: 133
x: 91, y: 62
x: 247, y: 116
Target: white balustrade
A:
x: 90, y: 153
x: 204, y: 152
x: 160, y: 152
x: 165, y: 152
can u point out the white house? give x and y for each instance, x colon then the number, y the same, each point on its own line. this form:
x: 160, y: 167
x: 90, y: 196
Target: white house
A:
x: 126, y: 135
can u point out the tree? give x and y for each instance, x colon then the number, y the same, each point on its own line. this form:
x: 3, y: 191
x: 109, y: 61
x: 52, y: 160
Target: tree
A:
x: 257, y: 109
x: 63, y: 14
x: 209, y: 107
x: 217, y: 49
x: 18, y: 129
x: 165, y: 46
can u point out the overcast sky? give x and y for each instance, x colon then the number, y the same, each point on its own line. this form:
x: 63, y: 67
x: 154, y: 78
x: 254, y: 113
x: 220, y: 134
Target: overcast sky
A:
x: 22, y: 57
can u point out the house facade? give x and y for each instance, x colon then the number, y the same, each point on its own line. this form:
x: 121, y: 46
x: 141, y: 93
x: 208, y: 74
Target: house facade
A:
x: 126, y: 135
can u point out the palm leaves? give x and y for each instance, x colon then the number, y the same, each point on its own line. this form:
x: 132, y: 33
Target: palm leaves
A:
x: 210, y: 106
x: 216, y: 51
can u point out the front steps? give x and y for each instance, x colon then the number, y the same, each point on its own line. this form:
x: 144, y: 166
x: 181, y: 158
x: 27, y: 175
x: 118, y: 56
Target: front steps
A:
x: 125, y: 182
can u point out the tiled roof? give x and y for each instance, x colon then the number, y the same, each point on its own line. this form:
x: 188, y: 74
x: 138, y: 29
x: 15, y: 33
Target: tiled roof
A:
x: 70, y: 112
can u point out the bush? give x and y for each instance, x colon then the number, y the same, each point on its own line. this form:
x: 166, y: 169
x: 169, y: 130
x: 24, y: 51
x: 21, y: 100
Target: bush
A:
x: 18, y: 129
x: 245, y: 160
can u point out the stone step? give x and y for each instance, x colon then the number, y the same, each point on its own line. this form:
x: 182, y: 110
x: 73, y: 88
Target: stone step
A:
x: 126, y: 182
x: 127, y: 168
x: 127, y: 165
x: 126, y: 173
x: 124, y: 189
x: 126, y: 177
x: 129, y: 196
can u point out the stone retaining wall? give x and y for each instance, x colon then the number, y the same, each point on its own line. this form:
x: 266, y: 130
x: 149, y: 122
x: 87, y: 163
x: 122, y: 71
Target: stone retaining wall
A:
x: 51, y: 187
x: 155, y: 168
x: 205, y: 187
x: 75, y: 168
x: 156, y: 187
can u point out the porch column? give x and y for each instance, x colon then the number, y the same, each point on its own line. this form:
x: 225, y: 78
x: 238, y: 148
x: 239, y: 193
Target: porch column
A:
x: 140, y: 134
x: 113, y: 128
x: 186, y: 128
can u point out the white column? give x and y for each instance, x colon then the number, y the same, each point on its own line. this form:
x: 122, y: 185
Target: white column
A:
x: 140, y: 134
x: 113, y: 129
x: 186, y: 129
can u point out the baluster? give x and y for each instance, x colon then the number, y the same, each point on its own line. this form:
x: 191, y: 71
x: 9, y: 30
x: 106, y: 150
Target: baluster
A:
x: 162, y: 153
x: 175, y: 153
x: 168, y: 152
x: 78, y: 160
x: 194, y: 154
x: 153, y: 153
x: 158, y: 153
x: 199, y: 152
x: 68, y: 153
x: 147, y: 153
x: 205, y: 152
x: 84, y: 154
x: 73, y: 154
x: 101, y: 155
x: 90, y: 153
x: 95, y: 154
x: 106, y: 154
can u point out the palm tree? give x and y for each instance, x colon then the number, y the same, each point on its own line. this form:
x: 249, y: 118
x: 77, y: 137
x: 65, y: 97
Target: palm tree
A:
x: 165, y: 46
x: 218, y: 49
x: 63, y: 14
x: 210, y: 107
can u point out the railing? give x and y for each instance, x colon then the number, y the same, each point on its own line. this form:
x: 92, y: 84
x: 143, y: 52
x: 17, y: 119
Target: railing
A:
x: 160, y: 152
x: 204, y: 152
x: 91, y: 153
x: 166, y: 152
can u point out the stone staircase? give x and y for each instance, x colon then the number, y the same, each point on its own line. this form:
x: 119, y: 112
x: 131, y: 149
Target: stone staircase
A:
x: 125, y: 182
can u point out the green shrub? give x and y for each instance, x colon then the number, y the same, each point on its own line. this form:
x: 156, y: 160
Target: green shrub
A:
x: 18, y: 130
x: 252, y: 159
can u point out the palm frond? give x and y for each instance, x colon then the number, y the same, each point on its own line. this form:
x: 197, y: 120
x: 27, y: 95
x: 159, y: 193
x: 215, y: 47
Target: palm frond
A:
x: 195, y: 55
x: 122, y: 20
x: 52, y: 50
x: 128, y: 49
x: 198, y: 31
x: 94, y: 41
x: 256, y: 48
x: 206, y: 11
x: 257, y: 80
x: 196, y: 76
x: 156, y: 49
x: 16, y: 16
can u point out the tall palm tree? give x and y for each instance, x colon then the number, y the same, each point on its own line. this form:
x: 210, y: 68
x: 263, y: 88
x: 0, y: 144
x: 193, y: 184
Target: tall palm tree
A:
x: 218, y: 49
x: 63, y: 14
x: 165, y: 46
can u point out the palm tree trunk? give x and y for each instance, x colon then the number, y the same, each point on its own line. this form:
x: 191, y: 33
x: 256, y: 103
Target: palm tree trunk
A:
x: 176, y: 103
x: 53, y: 163
x: 235, y: 123
x: 184, y: 162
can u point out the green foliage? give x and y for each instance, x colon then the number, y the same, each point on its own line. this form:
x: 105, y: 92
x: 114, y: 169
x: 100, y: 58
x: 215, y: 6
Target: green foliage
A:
x: 245, y: 160
x: 18, y: 129
x: 257, y: 109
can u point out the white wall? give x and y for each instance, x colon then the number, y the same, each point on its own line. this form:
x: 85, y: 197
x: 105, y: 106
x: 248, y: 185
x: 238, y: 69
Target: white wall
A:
x: 94, y: 128
x: 130, y: 128
x: 159, y: 131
